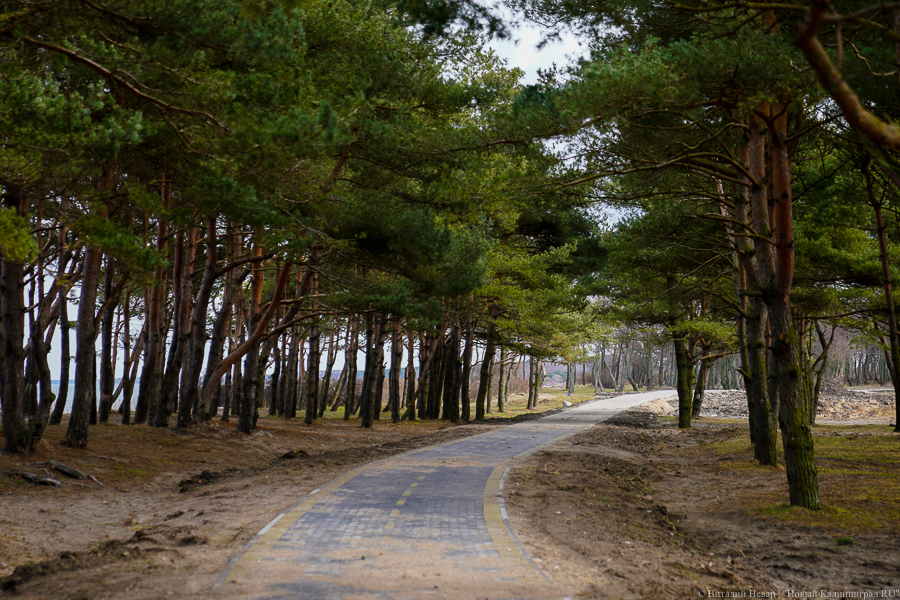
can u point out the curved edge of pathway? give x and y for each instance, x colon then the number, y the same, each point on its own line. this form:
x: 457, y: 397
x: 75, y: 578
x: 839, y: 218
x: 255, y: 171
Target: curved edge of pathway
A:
x: 428, y: 523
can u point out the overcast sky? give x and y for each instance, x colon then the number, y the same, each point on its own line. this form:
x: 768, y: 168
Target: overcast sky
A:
x: 522, y: 52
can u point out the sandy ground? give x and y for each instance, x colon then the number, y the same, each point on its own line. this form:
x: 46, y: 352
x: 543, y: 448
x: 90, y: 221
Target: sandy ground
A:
x: 638, y: 509
x: 174, y: 507
x: 629, y: 511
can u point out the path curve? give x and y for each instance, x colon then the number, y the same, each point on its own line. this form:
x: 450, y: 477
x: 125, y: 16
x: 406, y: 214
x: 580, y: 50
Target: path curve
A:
x: 429, y: 523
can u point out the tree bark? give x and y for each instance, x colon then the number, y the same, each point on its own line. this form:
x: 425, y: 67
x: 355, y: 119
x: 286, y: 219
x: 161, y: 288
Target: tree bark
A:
x: 351, y: 368
x: 700, y: 388
x: 329, y: 366
x: 189, y: 399
x: 411, y: 389
x: 168, y: 394
x: 65, y: 357
x: 12, y: 326
x: 373, y: 365
x: 156, y: 337
x: 797, y: 437
x: 107, y: 377
x: 85, y: 337
x: 894, y: 363
x: 254, y: 337
x: 251, y: 358
x: 759, y: 266
x: 485, y: 372
x: 684, y: 382
x: 394, y: 378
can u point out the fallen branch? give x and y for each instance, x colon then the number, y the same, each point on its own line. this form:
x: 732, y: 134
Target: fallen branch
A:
x: 65, y: 470
x: 39, y: 480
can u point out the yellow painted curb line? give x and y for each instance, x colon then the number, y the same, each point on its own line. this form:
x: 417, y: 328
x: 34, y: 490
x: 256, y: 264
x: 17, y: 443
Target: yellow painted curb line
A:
x: 498, y: 524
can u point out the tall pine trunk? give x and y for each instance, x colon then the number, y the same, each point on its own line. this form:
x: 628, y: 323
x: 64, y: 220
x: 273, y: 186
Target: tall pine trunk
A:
x: 803, y: 486
x: 12, y: 334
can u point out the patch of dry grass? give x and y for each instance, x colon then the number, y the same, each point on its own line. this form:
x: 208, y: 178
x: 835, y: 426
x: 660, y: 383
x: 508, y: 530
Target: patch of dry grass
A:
x: 859, y: 484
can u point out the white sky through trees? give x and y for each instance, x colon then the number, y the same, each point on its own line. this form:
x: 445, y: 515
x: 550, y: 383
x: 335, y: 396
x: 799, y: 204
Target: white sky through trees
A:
x: 522, y: 51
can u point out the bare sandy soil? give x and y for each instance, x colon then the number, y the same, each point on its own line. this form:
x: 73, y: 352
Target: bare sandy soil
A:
x: 633, y: 510
x: 174, y: 506
x: 639, y: 509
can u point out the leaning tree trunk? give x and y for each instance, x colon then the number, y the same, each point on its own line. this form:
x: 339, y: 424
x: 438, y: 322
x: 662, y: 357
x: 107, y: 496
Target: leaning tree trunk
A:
x: 217, y: 344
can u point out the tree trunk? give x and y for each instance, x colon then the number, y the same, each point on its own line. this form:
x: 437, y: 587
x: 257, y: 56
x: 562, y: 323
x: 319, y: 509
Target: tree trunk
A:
x: 504, y: 381
x: 452, y: 384
x: 797, y: 437
x: 65, y: 357
x: 411, y: 380
x: 379, y: 367
x: 12, y: 327
x: 394, y: 379
x: 370, y: 358
x: 485, y: 373
x: 758, y: 262
x: 434, y: 377
x: 684, y: 382
x: 168, y: 393
x: 251, y: 358
x: 329, y: 366
x: 373, y: 365
x: 312, y: 370
x: 700, y: 388
x: 276, y: 386
x: 85, y: 337
x: 426, y: 351
x: 189, y: 400
x: 107, y: 376
x: 350, y: 365
x: 894, y: 363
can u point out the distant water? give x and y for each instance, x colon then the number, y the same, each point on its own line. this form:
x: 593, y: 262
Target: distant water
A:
x: 54, y: 386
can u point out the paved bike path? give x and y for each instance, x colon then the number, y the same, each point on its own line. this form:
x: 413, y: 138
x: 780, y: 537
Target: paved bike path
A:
x: 424, y: 524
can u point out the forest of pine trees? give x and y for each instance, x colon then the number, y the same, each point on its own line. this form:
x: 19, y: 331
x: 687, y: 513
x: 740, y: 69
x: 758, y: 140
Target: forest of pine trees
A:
x: 212, y: 210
